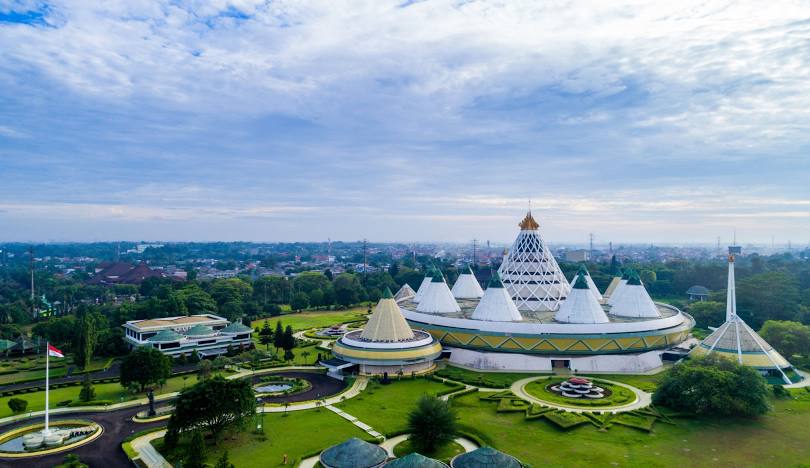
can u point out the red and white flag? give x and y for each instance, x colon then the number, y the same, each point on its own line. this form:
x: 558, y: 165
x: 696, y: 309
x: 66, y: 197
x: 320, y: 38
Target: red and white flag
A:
x: 52, y: 351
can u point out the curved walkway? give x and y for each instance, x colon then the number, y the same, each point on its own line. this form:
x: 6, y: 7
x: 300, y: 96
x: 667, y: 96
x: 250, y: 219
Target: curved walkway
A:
x: 643, y: 399
x: 805, y: 382
x: 358, y: 386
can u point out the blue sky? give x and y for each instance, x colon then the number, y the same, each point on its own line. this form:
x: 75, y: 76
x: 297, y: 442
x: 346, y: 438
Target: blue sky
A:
x: 433, y: 120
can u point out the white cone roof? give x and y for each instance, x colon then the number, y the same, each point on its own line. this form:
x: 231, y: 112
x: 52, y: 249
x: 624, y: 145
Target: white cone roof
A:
x: 591, y: 285
x: 405, y: 292
x: 634, y: 301
x: 496, y: 305
x: 467, y: 286
x: 530, y: 273
x: 437, y: 298
x: 617, y: 290
x: 387, y: 322
x: 581, y: 305
x: 420, y: 293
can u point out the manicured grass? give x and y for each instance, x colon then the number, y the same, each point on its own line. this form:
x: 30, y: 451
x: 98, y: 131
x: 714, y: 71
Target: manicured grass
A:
x: 386, y: 407
x: 483, y: 379
x: 58, y: 368
x: 299, y: 434
x: 777, y: 439
x: 105, y: 391
x: 443, y: 453
x: 320, y: 318
x: 619, y: 395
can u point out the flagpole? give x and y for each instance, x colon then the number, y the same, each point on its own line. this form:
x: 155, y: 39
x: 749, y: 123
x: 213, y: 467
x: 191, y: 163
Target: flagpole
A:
x: 47, y: 372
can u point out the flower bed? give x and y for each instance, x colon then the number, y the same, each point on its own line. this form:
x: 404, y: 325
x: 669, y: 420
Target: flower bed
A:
x: 615, y: 395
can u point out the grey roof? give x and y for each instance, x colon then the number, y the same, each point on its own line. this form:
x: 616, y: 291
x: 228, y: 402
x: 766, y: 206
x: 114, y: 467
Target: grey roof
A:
x: 354, y: 453
x: 485, y: 457
x: 415, y: 460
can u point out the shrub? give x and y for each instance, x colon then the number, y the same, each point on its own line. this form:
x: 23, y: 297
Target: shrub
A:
x: 431, y: 424
x: 17, y: 405
x: 64, y: 403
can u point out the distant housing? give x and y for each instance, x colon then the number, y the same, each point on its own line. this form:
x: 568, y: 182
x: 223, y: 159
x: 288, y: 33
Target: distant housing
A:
x: 208, y: 334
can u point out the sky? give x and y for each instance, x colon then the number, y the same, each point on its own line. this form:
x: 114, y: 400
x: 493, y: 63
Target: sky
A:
x: 637, y: 121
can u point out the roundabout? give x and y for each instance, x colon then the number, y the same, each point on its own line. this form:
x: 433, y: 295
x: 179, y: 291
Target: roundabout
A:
x: 577, y: 394
x: 33, y: 441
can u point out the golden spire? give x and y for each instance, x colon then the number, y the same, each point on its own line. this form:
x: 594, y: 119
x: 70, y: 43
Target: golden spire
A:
x: 528, y: 223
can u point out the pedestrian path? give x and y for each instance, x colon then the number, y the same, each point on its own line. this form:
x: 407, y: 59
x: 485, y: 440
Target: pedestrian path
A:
x: 147, y: 453
x: 348, y: 417
x: 357, y: 387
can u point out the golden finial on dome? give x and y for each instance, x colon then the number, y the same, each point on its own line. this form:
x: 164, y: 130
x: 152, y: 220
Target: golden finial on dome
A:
x: 528, y: 223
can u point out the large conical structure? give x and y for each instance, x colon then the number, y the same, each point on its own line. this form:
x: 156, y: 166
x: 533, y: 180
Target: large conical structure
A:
x: 467, y: 286
x: 405, y: 292
x: 386, y: 322
x: 420, y: 292
x: 496, y: 305
x: 591, y: 285
x: 735, y: 340
x: 616, y: 292
x: 634, y: 301
x: 530, y: 273
x: 437, y: 298
x: 581, y: 305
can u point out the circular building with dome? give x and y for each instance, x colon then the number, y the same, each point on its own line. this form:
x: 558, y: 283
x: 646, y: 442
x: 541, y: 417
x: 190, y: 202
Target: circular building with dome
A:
x: 485, y: 457
x: 531, y: 318
x: 354, y: 453
x: 386, y: 345
x: 415, y: 460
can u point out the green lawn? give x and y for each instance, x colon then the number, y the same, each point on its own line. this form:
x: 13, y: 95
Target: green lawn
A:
x: 58, y: 369
x: 648, y: 383
x: 310, y: 319
x: 386, y: 407
x: 299, y: 434
x: 106, y: 391
x: 443, y: 453
x: 778, y: 439
x: 483, y: 379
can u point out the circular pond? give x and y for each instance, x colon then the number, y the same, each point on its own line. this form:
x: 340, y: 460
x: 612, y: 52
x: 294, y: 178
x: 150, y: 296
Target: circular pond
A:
x: 30, y: 440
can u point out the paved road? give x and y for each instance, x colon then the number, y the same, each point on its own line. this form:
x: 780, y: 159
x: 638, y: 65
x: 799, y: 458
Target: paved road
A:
x: 104, y: 452
x: 322, y: 386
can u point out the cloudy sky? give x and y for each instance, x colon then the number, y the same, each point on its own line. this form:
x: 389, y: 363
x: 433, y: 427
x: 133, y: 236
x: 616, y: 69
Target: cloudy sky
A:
x: 435, y: 120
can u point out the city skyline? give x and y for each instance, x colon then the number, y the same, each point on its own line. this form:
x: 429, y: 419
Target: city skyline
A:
x: 257, y: 121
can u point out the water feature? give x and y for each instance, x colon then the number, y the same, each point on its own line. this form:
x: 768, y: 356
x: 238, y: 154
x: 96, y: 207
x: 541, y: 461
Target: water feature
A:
x: 273, y: 388
x: 60, y: 435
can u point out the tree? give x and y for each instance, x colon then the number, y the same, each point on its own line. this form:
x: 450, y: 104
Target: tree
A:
x: 72, y: 461
x: 615, y: 267
x: 214, y: 405
x: 289, y: 339
x: 300, y: 301
x: 223, y: 461
x: 197, y: 301
x: 316, y: 298
x: 194, y: 358
x: 204, y: 371
x: 305, y: 355
x: 328, y: 274
x: 708, y: 313
x: 713, y: 385
x: 266, y: 340
x: 195, y: 456
x: 145, y: 366
x: 768, y: 296
x: 278, y: 336
x: 789, y: 338
x: 347, y: 289
x: 431, y: 424
x: 393, y: 269
x: 87, y: 393
x: 17, y: 405
x: 85, y: 343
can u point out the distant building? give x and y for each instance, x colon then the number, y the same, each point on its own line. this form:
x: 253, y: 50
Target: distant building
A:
x: 208, y: 334
x: 698, y: 293
x: 122, y: 273
x: 580, y: 255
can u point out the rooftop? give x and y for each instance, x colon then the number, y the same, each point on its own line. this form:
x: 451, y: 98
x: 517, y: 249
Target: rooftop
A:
x: 176, y: 322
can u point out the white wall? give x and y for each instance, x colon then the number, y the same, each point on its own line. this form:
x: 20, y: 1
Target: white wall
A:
x: 618, y: 363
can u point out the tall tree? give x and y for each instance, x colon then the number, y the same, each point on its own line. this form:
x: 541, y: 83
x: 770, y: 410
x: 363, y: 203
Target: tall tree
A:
x: 145, y: 366
x: 278, y: 336
x: 214, y: 405
x: 85, y: 343
x: 196, y: 452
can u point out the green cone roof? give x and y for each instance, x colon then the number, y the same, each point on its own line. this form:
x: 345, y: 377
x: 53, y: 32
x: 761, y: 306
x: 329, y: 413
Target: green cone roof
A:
x: 581, y: 282
x: 236, y: 327
x: 165, y: 336
x: 200, y: 330
x: 495, y: 280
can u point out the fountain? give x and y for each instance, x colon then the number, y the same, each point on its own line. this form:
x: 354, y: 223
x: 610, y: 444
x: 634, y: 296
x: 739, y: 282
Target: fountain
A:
x: 578, y: 387
x: 36, y: 439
